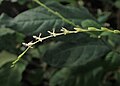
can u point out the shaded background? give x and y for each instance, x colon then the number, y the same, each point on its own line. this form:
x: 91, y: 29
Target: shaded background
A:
x: 32, y: 70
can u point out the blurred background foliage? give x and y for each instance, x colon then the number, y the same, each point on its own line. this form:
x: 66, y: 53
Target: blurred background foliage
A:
x: 72, y: 60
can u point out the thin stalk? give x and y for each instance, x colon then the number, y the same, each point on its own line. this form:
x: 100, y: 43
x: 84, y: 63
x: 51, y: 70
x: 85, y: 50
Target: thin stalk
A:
x: 19, y: 57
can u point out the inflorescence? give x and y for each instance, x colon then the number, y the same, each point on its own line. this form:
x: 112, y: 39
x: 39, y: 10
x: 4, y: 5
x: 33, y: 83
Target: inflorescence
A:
x: 64, y: 31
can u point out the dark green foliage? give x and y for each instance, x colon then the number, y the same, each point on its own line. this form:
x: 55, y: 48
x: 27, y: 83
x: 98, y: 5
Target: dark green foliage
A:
x: 39, y: 19
x: 79, y: 59
x: 11, y: 76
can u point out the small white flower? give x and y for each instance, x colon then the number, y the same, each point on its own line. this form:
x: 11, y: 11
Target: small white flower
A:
x: 65, y: 31
x: 28, y: 44
x: 38, y: 38
x: 52, y: 33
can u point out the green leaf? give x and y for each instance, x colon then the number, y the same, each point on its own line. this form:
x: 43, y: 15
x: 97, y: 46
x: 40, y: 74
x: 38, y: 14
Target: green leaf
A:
x: 113, y: 58
x: 117, y: 3
x: 75, y: 53
x: 19, y: 37
x: 60, y: 76
x: 8, y: 43
x: 90, y: 23
x: 39, y: 51
x: 103, y: 17
x: 115, y: 39
x: 5, y: 20
x: 40, y: 20
x: 68, y: 77
x: 1, y: 1
x: 6, y: 57
x: 11, y: 76
x: 4, y: 31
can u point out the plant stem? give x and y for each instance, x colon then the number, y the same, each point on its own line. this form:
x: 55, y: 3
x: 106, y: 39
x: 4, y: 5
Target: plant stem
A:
x: 19, y: 57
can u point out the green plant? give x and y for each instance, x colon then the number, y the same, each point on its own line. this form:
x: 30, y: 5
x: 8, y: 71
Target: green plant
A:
x: 86, y: 52
x: 64, y: 31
